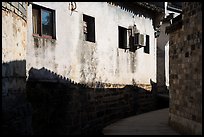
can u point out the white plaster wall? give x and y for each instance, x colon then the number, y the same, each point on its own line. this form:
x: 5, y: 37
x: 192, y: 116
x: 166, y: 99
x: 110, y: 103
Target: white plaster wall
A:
x: 14, y: 39
x: 87, y: 62
x: 167, y: 63
x: 167, y: 12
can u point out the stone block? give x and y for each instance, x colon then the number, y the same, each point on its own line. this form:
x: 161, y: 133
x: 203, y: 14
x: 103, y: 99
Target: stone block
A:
x: 8, y: 6
x: 25, y: 4
x: 24, y: 14
x: 5, y: 83
x: 16, y: 85
x: 9, y: 70
x: 19, y: 69
x: 21, y: 8
x: 15, y: 4
x: 4, y: 4
x: 4, y: 66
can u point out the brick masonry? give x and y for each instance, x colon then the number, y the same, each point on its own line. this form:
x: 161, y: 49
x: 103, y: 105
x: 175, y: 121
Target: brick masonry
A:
x: 186, y: 71
x: 61, y: 106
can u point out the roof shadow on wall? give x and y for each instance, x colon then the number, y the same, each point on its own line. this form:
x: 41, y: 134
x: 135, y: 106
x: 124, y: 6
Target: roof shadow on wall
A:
x: 46, y: 75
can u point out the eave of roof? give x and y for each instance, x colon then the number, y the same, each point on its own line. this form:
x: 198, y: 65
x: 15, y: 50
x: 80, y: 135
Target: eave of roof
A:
x: 146, y: 5
x: 150, y: 6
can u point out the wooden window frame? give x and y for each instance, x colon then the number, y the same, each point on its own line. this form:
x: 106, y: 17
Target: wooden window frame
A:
x: 40, y: 8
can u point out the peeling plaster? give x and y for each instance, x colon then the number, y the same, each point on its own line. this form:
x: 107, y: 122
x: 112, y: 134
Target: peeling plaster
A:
x: 13, y: 44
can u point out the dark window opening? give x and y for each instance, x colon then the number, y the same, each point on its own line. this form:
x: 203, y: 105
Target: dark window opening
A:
x: 43, y: 21
x: 122, y: 37
x: 146, y: 48
x: 47, y: 26
x: 131, y: 43
x: 89, y: 28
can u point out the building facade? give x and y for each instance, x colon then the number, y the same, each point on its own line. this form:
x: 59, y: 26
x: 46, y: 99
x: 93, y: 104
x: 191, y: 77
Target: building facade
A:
x: 81, y: 45
x: 91, y: 42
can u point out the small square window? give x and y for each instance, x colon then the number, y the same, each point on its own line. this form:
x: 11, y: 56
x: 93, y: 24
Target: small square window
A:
x: 146, y: 48
x: 43, y: 21
x: 122, y: 37
x: 89, y: 28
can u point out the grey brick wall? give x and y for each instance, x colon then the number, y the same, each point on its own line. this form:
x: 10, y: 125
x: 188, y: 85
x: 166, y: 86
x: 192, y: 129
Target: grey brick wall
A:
x: 186, y: 71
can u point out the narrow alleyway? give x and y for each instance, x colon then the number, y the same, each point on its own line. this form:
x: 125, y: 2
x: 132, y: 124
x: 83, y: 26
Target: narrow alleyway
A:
x: 151, y: 123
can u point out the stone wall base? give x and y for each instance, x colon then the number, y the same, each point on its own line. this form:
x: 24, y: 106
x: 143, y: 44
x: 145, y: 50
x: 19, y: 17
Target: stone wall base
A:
x: 185, y: 126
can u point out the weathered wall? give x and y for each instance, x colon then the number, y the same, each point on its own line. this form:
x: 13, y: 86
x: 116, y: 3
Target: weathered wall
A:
x: 62, y: 107
x: 186, y: 71
x: 162, y: 41
x: 14, y: 32
x: 163, y: 51
x: 16, y: 112
x: 85, y: 62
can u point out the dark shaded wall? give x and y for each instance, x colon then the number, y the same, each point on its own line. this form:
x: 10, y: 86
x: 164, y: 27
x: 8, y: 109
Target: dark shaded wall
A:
x: 61, y: 106
x: 162, y: 41
x: 16, y: 111
x: 186, y: 70
x: 50, y: 104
